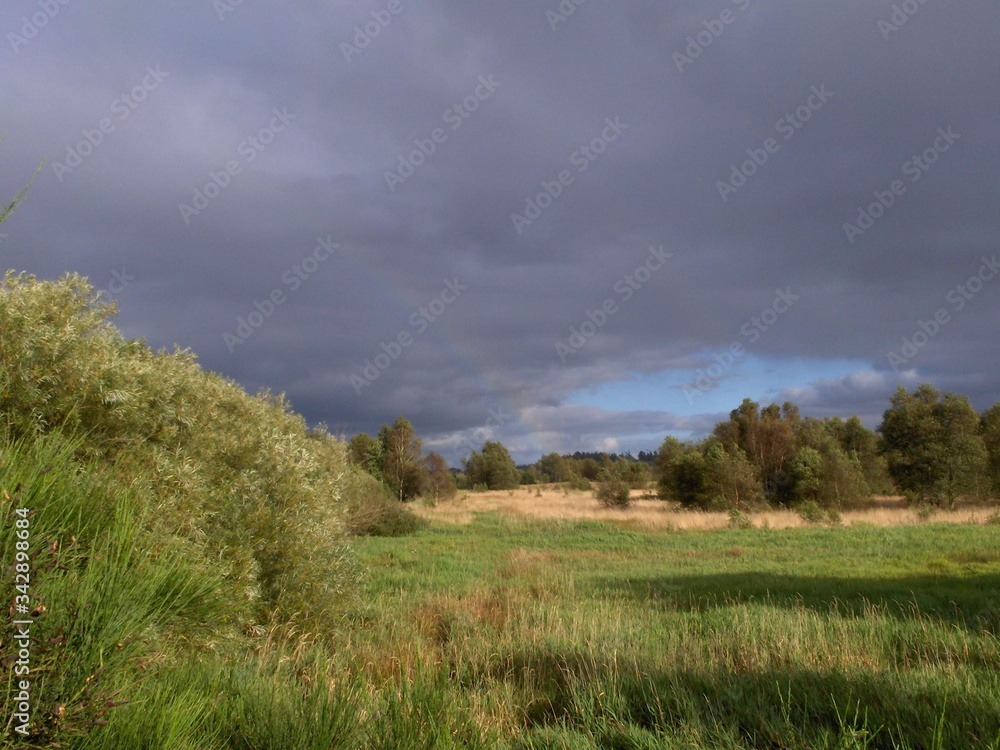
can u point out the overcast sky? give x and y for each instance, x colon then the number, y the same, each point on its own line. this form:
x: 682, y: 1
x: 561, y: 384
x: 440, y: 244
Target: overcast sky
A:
x: 564, y: 226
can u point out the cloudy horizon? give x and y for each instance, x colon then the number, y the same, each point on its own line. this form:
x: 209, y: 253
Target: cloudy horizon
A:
x: 567, y: 225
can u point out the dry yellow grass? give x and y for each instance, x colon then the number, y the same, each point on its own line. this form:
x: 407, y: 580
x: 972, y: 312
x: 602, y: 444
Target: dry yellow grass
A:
x: 556, y: 503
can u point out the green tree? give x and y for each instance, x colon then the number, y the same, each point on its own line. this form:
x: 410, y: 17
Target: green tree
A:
x: 555, y: 468
x: 861, y: 444
x: 807, y: 474
x: 991, y: 439
x: 933, y: 445
x: 440, y: 484
x: 768, y: 440
x: 367, y: 453
x: 731, y: 481
x: 667, y: 457
x: 401, y: 450
x: 689, y: 479
x: 493, y: 467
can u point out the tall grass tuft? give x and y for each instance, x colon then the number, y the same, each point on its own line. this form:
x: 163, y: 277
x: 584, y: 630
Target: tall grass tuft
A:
x: 102, y: 593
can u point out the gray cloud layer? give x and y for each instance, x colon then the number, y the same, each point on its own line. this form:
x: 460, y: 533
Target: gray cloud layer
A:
x: 508, y: 103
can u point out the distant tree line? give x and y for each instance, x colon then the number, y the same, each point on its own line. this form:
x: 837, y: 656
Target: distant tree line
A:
x: 932, y: 447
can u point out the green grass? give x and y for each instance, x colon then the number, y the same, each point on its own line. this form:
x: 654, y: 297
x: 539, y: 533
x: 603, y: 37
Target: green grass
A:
x: 506, y: 633
x: 585, y: 635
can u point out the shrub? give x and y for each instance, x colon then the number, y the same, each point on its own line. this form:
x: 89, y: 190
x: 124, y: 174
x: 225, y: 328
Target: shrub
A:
x: 577, y: 482
x: 926, y: 512
x: 613, y: 493
x: 739, y: 520
x: 811, y: 512
x: 238, y: 478
x: 371, y: 510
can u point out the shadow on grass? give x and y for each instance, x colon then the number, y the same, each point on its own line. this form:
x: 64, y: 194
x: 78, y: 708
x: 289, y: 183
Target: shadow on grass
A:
x: 604, y: 701
x: 969, y: 601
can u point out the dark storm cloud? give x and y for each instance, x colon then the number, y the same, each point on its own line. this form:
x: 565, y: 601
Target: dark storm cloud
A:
x: 632, y: 115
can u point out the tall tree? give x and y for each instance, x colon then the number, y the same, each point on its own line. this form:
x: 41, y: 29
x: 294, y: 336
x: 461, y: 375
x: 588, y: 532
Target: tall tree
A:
x: 991, y: 439
x: 440, y: 484
x: 493, y: 467
x: 933, y: 445
x: 401, y: 465
x: 730, y: 479
x: 768, y: 441
x: 555, y: 468
x: 669, y: 454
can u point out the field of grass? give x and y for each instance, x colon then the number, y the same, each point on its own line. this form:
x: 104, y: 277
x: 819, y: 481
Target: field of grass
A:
x: 580, y: 634
x: 553, y: 502
x: 509, y: 631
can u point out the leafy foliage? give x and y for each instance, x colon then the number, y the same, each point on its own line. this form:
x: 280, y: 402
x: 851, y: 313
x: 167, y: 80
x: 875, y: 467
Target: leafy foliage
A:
x: 239, y: 478
x: 933, y: 445
x: 613, y: 492
x: 493, y: 467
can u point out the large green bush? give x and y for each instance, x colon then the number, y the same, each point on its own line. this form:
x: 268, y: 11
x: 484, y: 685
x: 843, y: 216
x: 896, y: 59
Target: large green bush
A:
x: 238, y: 478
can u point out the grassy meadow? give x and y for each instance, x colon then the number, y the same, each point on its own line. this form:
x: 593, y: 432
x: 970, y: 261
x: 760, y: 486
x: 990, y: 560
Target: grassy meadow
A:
x: 201, y: 578
x: 507, y: 630
x: 581, y: 633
